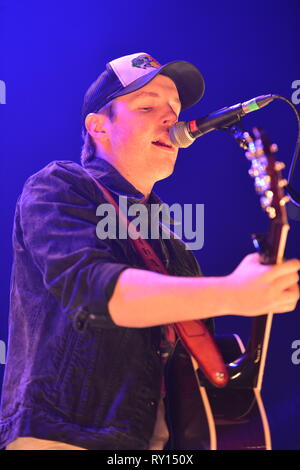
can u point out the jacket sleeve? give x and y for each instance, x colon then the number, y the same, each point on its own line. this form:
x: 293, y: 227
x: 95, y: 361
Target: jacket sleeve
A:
x: 58, y: 219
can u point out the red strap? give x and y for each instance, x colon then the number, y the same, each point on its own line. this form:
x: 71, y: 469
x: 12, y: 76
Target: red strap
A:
x: 194, y: 335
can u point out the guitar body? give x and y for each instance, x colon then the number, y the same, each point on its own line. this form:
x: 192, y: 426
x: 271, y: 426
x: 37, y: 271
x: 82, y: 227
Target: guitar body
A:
x: 203, y: 417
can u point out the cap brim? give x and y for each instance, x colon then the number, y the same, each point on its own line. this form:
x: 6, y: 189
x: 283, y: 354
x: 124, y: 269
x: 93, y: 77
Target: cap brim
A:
x: 187, y: 78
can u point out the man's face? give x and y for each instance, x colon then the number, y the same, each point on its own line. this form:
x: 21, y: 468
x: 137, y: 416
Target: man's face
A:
x: 139, y: 140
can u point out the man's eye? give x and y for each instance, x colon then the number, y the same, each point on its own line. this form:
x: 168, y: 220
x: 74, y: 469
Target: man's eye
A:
x: 146, y: 108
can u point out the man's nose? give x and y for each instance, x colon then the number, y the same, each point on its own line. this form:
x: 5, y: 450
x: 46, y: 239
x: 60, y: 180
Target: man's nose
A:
x: 170, y: 117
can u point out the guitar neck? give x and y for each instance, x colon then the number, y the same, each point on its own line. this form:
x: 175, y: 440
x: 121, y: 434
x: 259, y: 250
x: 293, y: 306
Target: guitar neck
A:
x: 261, y: 326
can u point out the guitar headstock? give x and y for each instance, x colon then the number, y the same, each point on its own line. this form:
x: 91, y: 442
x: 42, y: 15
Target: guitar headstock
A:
x: 269, y: 184
x: 266, y: 171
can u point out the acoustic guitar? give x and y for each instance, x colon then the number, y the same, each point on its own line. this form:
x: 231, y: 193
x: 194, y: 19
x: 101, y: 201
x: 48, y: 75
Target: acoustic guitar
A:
x: 199, y: 414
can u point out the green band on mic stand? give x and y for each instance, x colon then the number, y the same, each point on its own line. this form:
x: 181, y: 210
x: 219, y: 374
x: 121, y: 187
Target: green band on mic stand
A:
x: 252, y: 106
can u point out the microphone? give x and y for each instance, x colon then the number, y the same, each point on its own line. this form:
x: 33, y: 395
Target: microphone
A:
x: 183, y: 134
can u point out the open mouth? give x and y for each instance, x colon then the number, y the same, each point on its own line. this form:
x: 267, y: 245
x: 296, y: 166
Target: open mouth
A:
x: 158, y: 143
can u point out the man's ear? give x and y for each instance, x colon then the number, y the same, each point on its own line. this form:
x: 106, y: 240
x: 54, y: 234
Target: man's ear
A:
x: 95, y: 125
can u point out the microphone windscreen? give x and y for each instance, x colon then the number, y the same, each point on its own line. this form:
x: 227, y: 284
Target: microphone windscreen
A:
x: 180, y: 136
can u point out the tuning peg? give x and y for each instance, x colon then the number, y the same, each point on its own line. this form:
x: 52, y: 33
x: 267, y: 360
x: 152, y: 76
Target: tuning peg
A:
x: 274, y: 148
x: 266, y: 201
x: 279, y: 166
x: 271, y: 212
x: 284, y: 200
x: 259, y: 151
x: 262, y: 184
x: 282, y: 183
x: 247, y: 136
x: 250, y: 155
x: 253, y: 172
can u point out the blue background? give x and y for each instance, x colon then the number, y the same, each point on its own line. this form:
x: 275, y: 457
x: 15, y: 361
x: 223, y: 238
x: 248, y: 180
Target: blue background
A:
x: 50, y: 54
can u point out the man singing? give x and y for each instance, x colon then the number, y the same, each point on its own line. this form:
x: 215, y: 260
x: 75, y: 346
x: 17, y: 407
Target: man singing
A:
x: 84, y: 367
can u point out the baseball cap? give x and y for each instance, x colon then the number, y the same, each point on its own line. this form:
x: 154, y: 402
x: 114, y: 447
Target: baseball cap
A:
x: 131, y: 72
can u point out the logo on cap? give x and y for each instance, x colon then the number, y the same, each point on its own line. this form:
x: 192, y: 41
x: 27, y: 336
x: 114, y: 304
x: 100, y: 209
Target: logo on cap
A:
x: 144, y: 61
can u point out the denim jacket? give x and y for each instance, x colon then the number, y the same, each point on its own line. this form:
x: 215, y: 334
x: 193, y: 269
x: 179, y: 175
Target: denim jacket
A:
x: 72, y: 374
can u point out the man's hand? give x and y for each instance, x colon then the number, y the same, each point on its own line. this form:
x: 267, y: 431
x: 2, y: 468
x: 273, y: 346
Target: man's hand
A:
x: 260, y: 289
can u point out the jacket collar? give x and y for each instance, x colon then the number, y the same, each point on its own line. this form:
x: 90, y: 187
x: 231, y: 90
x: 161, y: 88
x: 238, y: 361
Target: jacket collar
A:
x: 115, y: 182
